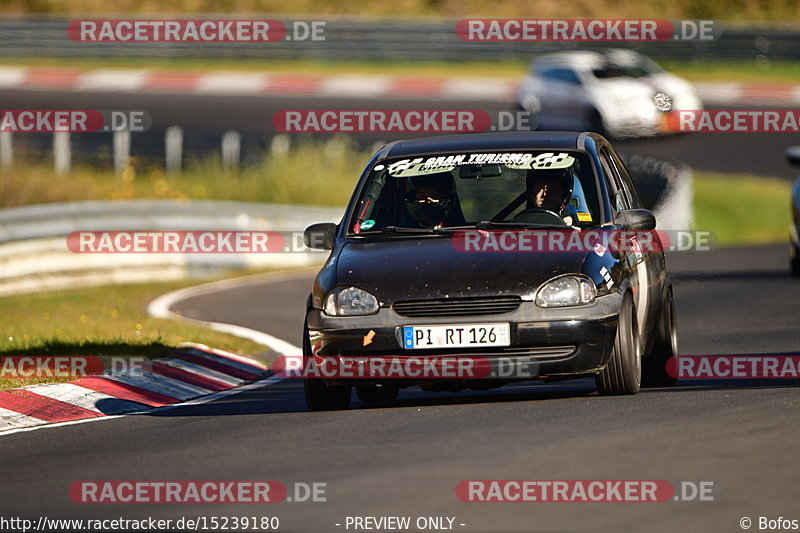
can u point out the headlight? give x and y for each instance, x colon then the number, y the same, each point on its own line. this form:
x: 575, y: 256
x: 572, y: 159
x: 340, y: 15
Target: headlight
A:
x: 566, y: 291
x: 350, y: 301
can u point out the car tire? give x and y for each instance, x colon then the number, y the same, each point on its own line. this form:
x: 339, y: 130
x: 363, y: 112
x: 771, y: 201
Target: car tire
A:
x: 321, y: 396
x: 377, y: 394
x: 654, y: 365
x: 596, y: 124
x: 794, y: 261
x: 623, y: 373
x: 533, y: 107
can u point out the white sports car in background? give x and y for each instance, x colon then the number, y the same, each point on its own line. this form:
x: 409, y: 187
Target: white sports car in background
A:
x: 615, y: 92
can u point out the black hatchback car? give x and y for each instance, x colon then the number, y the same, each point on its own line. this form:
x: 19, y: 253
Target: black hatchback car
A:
x: 471, y: 261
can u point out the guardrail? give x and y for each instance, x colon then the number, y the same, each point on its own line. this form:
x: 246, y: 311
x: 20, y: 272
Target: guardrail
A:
x: 384, y: 39
x: 34, y: 255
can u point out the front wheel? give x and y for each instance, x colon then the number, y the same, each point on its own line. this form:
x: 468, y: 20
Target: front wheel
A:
x: 623, y: 373
x: 665, y: 347
x: 319, y: 395
x: 595, y: 123
x: 794, y: 260
x: 323, y: 397
x: 377, y: 393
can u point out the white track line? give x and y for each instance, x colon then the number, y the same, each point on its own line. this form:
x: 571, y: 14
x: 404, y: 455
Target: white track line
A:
x: 160, y: 308
x: 229, y: 358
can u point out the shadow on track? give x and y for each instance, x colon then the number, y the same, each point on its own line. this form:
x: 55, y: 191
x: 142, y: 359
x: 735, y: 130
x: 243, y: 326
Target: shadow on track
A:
x: 287, y: 396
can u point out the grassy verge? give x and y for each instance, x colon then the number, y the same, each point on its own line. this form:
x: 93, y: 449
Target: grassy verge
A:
x: 776, y: 71
x: 742, y: 209
x: 316, y: 173
x: 104, y: 321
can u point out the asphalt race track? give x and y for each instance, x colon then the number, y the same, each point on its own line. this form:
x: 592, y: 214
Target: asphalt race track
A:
x: 204, y: 119
x: 406, y: 458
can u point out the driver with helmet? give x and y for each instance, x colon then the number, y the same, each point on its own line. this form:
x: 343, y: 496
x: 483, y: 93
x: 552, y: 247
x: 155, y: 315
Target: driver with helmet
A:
x: 433, y: 201
x: 550, y: 189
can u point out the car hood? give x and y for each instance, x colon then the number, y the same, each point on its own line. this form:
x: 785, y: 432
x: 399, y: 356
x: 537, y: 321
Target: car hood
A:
x: 432, y: 267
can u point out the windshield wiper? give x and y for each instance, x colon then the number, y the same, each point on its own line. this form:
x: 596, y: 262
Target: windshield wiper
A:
x: 395, y: 230
x: 489, y: 224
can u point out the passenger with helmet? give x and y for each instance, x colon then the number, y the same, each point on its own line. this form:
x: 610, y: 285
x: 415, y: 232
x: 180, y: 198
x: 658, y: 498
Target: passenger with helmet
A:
x: 550, y: 189
x: 433, y: 202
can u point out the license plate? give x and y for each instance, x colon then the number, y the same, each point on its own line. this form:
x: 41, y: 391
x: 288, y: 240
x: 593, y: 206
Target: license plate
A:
x: 455, y: 336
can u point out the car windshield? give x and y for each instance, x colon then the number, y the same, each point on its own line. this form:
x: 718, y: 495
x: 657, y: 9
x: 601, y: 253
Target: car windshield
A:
x: 531, y: 189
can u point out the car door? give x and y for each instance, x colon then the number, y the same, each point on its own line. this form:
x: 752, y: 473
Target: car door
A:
x: 641, y: 268
x: 653, y: 255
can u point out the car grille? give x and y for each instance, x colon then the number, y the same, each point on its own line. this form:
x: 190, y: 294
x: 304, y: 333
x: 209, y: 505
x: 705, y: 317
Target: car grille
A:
x: 458, y: 306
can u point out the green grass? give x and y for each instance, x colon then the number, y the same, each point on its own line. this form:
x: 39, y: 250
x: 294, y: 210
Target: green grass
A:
x: 316, y: 173
x: 105, y: 321
x: 776, y: 71
x: 742, y: 209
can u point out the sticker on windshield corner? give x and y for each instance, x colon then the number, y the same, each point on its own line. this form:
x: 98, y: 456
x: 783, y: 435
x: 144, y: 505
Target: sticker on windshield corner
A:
x: 367, y: 224
x: 552, y: 160
x: 583, y: 216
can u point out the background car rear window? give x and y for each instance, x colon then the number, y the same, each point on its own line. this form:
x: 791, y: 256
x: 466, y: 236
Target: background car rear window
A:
x: 566, y: 75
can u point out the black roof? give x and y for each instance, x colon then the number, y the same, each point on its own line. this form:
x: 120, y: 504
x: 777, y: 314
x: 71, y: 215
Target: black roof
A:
x: 471, y: 142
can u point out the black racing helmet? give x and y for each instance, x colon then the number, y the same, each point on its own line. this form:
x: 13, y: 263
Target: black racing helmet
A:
x: 562, y: 175
x: 441, y: 187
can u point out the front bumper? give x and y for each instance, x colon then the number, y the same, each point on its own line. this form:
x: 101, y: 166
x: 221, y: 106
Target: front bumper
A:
x: 545, y: 343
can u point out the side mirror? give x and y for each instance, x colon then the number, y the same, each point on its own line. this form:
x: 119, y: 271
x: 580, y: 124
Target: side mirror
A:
x: 320, y: 236
x: 636, y: 220
x: 793, y: 155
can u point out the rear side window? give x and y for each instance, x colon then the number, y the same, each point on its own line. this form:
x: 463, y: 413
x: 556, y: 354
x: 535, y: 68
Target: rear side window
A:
x: 619, y: 198
x: 633, y: 197
x: 566, y: 75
